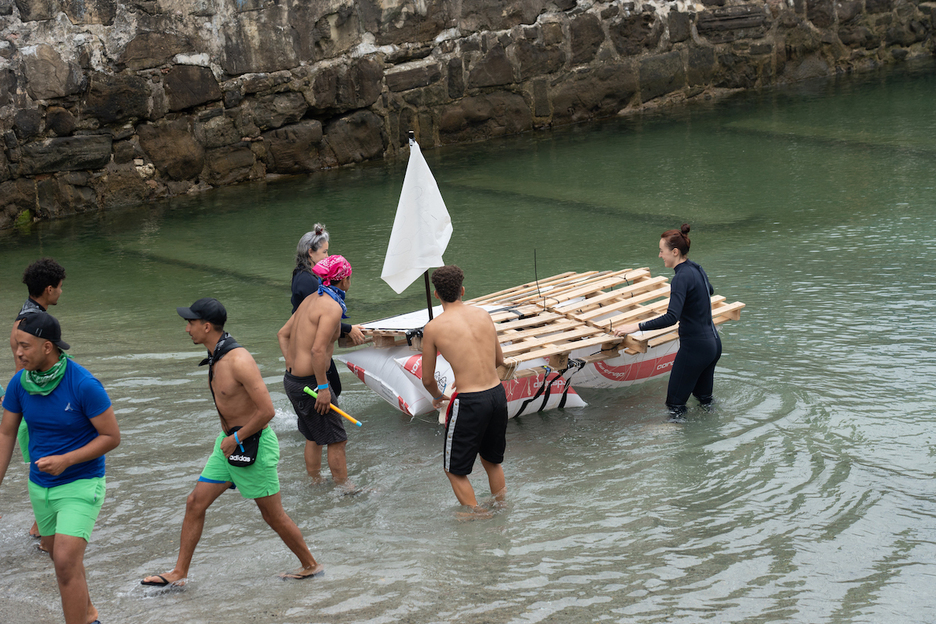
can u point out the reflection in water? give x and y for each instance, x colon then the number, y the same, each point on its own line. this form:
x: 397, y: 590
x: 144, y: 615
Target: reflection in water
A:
x: 803, y: 496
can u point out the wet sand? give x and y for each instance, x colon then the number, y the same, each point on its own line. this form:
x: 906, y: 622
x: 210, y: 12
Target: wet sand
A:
x: 24, y: 612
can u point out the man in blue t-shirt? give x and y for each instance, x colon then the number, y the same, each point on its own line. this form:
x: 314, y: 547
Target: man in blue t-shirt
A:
x: 43, y: 279
x: 71, y: 426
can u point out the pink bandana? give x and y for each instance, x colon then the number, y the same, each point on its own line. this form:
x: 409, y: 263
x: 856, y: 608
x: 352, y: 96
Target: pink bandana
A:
x: 332, y: 269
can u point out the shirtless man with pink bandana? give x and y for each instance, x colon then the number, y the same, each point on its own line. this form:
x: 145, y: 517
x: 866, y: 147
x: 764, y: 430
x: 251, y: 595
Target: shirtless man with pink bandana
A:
x: 308, y: 341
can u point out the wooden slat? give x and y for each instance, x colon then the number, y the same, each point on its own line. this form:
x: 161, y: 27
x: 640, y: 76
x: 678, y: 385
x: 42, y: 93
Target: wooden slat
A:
x: 636, y: 315
x: 563, y: 292
x: 533, y: 293
x: 730, y: 311
x: 540, y: 319
x: 629, y: 304
x: 564, y: 337
x: 510, y: 294
x: 587, y: 287
x: 621, y: 294
x: 548, y: 350
x: 533, y: 332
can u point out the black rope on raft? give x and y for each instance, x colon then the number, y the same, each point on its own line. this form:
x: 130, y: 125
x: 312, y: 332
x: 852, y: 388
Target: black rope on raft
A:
x: 413, y: 333
x: 512, y: 309
x: 574, y: 365
x: 535, y: 396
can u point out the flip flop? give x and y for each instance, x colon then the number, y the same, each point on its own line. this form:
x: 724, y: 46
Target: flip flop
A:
x: 163, y: 582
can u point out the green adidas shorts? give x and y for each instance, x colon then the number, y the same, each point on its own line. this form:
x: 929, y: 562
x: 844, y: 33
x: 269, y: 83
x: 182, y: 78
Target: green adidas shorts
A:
x: 255, y: 481
x: 69, y: 509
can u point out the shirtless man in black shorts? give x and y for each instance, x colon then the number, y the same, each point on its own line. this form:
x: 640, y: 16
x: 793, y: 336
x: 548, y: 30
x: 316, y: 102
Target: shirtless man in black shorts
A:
x: 307, y: 341
x: 476, y: 420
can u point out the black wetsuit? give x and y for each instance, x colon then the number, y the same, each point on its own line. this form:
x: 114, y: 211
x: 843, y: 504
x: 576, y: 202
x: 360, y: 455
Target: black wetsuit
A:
x: 699, y: 345
x: 303, y: 285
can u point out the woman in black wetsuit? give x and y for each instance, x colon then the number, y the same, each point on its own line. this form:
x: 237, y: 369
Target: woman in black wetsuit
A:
x: 690, y: 305
x: 313, y: 247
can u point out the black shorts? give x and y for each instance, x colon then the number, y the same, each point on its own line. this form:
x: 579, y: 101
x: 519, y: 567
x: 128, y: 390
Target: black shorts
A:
x: 327, y: 429
x: 476, y: 423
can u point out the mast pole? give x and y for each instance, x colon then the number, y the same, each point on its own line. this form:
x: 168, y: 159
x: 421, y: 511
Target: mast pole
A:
x: 428, y: 295
x: 412, y: 139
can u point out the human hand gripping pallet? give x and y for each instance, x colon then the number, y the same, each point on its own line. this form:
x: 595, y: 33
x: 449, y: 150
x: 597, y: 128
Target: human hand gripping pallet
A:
x: 557, y: 334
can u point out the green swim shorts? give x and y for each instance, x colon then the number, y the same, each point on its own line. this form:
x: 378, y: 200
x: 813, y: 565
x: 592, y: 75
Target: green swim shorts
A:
x: 254, y: 481
x: 22, y: 437
x: 69, y: 509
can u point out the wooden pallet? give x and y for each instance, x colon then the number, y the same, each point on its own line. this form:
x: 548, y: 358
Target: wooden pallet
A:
x: 572, y: 311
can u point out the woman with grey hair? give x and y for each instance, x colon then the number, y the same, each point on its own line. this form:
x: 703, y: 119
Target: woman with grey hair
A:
x: 313, y: 247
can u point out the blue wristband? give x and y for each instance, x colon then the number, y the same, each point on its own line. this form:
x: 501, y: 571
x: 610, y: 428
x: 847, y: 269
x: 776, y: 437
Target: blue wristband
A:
x: 236, y: 439
x: 441, y: 396
x: 323, y: 386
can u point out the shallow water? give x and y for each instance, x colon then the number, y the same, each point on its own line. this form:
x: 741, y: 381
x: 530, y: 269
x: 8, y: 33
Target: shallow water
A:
x: 805, y: 496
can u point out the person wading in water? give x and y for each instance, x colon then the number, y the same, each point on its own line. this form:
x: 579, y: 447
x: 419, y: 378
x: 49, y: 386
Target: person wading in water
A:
x: 690, y: 305
x: 245, y: 408
x: 476, y: 419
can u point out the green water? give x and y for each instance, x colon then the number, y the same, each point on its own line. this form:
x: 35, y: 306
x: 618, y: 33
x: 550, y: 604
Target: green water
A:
x: 806, y: 496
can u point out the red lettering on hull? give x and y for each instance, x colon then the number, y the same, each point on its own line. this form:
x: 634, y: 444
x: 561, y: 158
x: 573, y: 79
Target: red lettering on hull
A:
x: 638, y: 371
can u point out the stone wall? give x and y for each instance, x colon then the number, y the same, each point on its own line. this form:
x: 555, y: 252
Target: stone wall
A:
x: 106, y: 103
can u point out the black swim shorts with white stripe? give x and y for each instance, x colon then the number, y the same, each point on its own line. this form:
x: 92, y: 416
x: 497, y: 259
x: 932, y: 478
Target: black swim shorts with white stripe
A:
x: 476, y: 423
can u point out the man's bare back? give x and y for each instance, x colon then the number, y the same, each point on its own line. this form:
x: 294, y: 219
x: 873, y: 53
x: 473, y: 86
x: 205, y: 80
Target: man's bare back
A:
x: 466, y: 338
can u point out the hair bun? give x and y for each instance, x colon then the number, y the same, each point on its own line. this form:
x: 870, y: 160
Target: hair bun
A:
x: 685, y: 228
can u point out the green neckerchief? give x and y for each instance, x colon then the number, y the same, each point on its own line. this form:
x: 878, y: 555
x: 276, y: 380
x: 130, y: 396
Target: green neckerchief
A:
x: 36, y: 382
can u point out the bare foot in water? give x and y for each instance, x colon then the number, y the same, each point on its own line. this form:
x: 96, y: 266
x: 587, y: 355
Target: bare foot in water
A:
x: 348, y: 489
x: 169, y: 579
x: 476, y: 513
x: 34, y: 530
x: 304, y: 573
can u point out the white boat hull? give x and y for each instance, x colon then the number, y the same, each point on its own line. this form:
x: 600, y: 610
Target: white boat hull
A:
x: 395, y: 374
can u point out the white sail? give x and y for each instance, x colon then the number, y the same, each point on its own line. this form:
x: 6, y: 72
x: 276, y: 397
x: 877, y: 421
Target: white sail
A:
x: 421, y: 229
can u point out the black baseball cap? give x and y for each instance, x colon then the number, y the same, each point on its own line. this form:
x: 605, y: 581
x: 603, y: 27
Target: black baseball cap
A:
x: 205, y: 309
x: 44, y: 325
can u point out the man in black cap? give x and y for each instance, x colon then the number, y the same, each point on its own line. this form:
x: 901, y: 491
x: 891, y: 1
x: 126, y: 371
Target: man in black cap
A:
x: 245, y: 454
x: 71, y: 425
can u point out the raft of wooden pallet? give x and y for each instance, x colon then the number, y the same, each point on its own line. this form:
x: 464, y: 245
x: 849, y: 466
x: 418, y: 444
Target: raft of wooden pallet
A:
x: 552, y: 317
